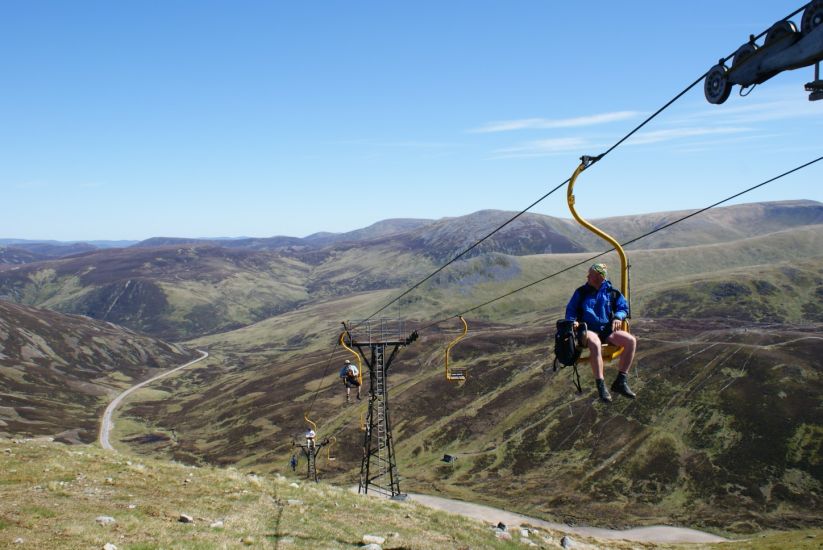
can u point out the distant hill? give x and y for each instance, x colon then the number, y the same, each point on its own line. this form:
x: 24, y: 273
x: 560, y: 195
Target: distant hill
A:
x: 178, y: 288
x: 56, y: 249
x: 379, y: 230
x: 10, y: 255
x: 166, y: 291
x: 58, y: 372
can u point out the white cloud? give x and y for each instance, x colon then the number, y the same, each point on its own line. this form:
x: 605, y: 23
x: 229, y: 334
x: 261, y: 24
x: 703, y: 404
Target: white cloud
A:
x: 410, y: 144
x: 545, y: 123
x: 658, y: 136
x: 541, y: 147
x: 31, y: 185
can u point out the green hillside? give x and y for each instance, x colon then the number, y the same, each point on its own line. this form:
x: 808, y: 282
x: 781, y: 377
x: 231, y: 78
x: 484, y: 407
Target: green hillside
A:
x: 726, y: 435
x: 60, y: 497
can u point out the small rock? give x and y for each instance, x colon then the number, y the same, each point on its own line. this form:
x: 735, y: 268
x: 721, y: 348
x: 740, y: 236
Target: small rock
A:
x: 185, y: 518
x: 294, y: 502
x: 109, y: 481
x: 248, y: 541
x: 286, y: 540
x: 371, y: 546
x: 7, y: 451
x: 502, y: 535
x: 109, y: 546
x: 373, y: 539
x: 132, y: 506
x: 18, y: 541
x: 105, y: 520
x: 294, y: 485
x: 501, y: 526
x: 566, y: 542
x: 216, y: 525
x: 524, y: 533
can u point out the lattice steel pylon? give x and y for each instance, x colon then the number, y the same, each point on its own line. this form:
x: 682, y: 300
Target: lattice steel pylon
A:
x: 310, y: 451
x: 378, y: 470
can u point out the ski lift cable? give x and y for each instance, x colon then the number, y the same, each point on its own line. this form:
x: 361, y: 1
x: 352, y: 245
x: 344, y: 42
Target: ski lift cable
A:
x: 320, y: 382
x: 592, y: 258
x: 593, y: 161
x: 631, y: 241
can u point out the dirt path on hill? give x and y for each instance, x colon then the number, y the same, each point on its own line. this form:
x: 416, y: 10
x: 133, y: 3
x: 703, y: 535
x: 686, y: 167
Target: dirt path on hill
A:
x: 661, y: 534
x: 106, y: 423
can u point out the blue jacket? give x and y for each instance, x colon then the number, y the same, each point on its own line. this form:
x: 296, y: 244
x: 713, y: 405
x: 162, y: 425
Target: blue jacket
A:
x: 596, y: 306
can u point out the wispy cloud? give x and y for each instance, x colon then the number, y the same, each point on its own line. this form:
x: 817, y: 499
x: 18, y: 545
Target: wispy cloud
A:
x: 541, y: 147
x: 770, y: 103
x: 658, y: 136
x: 546, y: 123
x: 410, y: 144
x: 31, y: 185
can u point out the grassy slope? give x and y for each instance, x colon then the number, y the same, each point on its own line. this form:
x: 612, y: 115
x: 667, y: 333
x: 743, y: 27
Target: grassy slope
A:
x: 52, y: 495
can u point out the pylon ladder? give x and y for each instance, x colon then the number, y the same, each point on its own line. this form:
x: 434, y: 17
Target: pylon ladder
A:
x: 378, y: 470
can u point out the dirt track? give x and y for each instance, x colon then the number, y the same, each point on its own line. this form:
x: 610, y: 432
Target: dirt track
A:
x: 654, y: 534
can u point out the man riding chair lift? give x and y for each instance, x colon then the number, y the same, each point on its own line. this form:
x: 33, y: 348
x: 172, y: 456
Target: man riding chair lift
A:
x: 351, y: 379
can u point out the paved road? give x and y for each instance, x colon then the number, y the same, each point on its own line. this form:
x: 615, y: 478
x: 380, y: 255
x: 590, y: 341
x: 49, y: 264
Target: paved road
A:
x: 106, y: 422
x: 655, y: 534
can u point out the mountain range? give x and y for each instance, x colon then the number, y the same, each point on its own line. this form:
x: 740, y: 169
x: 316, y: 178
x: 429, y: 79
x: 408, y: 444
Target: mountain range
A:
x: 727, y: 433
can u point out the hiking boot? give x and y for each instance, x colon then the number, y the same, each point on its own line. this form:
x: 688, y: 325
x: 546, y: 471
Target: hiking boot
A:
x: 621, y: 386
x: 604, y: 393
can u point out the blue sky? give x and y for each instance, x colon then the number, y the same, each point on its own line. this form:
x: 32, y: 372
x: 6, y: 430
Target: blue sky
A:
x: 127, y: 120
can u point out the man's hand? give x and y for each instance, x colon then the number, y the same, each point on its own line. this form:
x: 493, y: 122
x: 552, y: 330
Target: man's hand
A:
x: 617, y: 324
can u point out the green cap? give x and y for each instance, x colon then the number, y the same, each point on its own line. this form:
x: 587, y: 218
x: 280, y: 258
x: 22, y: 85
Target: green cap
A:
x: 600, y: 268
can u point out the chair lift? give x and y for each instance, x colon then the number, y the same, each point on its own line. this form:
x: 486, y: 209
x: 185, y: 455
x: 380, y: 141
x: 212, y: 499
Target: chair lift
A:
x: 313, y: 429
x: 356, y: 356
x: 455, y: 374
x: 330, y: 450
x: 608, y: 351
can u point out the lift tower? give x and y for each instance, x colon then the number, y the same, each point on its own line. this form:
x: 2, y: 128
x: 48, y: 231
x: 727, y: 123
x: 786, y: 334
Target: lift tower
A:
x: 374, y: 340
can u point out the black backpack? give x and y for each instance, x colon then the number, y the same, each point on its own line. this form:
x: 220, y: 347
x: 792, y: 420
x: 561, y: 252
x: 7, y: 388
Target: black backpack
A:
x: 567, y: 347
x: 566, y: 350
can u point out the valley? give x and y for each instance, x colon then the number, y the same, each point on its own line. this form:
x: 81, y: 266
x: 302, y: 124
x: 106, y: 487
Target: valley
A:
x: 726, y: 435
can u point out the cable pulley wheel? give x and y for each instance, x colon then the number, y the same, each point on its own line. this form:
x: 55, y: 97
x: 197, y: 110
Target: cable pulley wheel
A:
x: 778, y: 31
x: 812, y: 17
x: 743, y: 53
x: 716, y: 86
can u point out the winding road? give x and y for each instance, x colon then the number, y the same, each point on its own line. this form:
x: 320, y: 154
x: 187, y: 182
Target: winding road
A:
x: 659, y: 534
x: 106, y: 422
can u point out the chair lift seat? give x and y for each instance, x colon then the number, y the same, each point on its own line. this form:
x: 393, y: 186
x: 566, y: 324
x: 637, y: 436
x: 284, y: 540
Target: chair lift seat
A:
x: 457, y: 373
